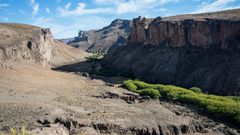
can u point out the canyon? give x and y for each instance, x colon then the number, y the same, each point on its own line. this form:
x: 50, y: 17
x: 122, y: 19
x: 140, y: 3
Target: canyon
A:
x: 47, y: 86
x: 187, y: 50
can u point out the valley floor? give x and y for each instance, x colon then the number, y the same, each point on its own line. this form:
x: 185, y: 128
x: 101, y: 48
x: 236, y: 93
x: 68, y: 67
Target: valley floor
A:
x: 55, y: 102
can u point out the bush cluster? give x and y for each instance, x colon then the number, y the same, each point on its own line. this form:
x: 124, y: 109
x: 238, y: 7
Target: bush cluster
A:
x: 153, y: 93
x: 95, y: 57
x: 227, y: 108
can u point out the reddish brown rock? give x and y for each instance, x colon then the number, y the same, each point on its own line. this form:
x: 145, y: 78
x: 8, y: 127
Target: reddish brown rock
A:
x: 200, y: 32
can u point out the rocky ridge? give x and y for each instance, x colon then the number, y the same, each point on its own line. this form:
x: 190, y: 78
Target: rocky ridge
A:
x: 103, y: 39
x: 187, y: 50
x: 19, y: 42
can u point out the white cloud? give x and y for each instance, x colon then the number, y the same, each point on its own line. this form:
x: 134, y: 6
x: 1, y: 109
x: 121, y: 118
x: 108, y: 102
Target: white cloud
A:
x: 168, y: 1
x: 48, y: 10
x: 67, y: 31
x: 4, y: 18
x: 4, y: 5
x: 117, y: 7
x: 140, y: 5
x: 81, y: 10
x: 35, y: 7
x: 108, y: 1
x: 217, y: 5
x: 67, y: 6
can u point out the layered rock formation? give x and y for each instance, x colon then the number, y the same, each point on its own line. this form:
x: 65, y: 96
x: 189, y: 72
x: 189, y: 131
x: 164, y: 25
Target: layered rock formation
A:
x: 189, y: 50
x: 19, y: 42
x: 102, y: 40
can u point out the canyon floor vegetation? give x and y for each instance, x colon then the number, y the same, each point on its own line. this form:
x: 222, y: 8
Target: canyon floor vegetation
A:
x: 225, y: 108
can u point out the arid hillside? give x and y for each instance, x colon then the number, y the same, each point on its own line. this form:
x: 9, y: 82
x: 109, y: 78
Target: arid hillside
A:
x: 20, y: 42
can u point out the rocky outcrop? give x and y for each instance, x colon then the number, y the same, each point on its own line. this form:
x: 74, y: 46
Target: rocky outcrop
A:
x: 19, y: 42
x: 102, y: 40
x: 189, y: 50
x: 199, y: 33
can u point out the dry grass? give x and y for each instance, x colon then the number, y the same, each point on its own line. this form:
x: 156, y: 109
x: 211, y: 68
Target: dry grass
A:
x: 15, y: 131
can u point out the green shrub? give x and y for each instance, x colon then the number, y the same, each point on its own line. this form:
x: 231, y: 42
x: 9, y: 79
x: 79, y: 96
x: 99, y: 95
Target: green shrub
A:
x: 219, y: 106
x: 234, y: 97
x: 140, y: 84
x: 196, y: 89
x: 153, y: 93
x: 130, y: 85
x: 143, y: 85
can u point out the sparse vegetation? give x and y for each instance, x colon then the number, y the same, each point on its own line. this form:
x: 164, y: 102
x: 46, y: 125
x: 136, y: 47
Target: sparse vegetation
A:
x: 22, y: 131
x: 95, y: 57
x: 227, y: 108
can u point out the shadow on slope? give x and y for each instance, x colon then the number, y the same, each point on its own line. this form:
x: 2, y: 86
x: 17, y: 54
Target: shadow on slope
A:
x: 93, y: 70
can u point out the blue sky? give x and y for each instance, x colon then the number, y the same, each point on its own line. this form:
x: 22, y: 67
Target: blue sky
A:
x: 66, y: 17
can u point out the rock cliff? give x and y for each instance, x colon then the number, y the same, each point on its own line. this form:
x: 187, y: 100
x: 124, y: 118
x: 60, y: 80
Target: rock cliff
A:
x: 19, y: 43
x: 102, y: 40
x: 187, y: 50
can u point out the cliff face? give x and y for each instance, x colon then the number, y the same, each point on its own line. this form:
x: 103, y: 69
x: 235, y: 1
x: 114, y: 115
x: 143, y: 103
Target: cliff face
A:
x: 102, y: 40
x: 200, y: 33
x: 19, y: 42
x: 191, y: 50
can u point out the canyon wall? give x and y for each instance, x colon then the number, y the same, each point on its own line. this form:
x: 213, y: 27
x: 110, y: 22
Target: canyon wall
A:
x: 200, y: 50
x: 199, y: 33
x: 26, y: 43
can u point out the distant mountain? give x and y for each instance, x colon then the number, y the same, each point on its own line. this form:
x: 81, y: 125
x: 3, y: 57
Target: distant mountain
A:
x: 102, y: 40
x: 66, y: 40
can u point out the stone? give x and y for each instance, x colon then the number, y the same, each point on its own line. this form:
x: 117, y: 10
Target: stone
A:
x: 110, y: 84
x: 55, y: 129
x: 85, y: 74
